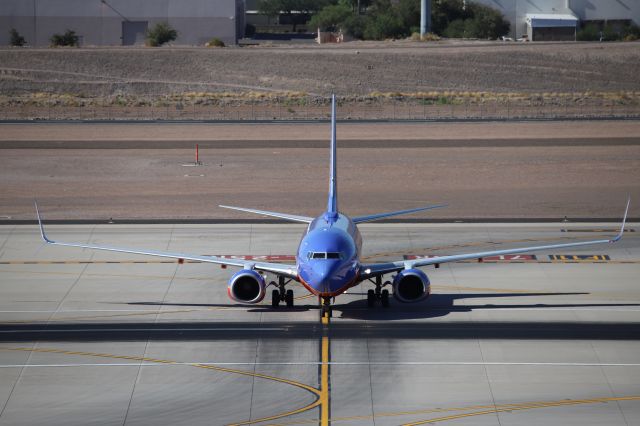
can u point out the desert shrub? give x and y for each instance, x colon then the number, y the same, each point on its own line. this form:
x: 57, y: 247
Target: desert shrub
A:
x: 331, y: 17
x: 249, y: 30
x: 160, y: 34
x: 69, y: 38
x: 631, y: 32
x: 415, y: 36
x: 589, y: 32
x: 409, y: 13
x: 215, y: 42
x: 15, y: 39
x: 383, y: 26
x: 455, y: 29
x: 483, y: 22
x: 444, y: 12
x: 486, y: 22
x: 611, y: 33
x: 354, y: 26
x: 400, y: 18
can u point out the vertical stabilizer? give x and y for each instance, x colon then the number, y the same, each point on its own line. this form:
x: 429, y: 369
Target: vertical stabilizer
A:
x: 332, y: 205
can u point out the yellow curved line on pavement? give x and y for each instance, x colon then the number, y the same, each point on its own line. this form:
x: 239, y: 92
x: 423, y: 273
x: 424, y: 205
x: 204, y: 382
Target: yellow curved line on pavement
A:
x: 486, y: 409
x: 317, y: 393
x: 524, y: 406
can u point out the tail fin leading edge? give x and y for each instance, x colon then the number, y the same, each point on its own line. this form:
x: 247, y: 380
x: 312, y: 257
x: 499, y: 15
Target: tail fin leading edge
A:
x: 332, y: 204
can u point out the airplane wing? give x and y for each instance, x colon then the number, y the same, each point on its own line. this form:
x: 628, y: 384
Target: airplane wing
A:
x: 376, y: 269
x: 291, y: 217
x: 371, y: 218
x: 275, y: 268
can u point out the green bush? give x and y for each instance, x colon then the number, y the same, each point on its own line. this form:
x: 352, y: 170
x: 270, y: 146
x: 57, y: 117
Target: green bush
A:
x: 443, y: 12
x: 331, y: 17
x: 400, y: 18
x: 611, y: 33
x: 483, y: 22
x: 455, y: 29
x: 160, y: 34
x: 383, y: 26
x: 589, y: 32
x: 15, y: 39
x: 453, y: 19
x: 215, y: 42
x: 409, y: 13
x: 631, y: 33
x: 354, y: 26
x: 632, y: 30
x: 69, y: 38
x: 249, y: 30
x: 593, y: 32
x: 487, y: 22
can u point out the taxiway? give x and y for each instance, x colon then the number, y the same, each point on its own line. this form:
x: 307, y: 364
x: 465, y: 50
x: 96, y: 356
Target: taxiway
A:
x: 102, y: 338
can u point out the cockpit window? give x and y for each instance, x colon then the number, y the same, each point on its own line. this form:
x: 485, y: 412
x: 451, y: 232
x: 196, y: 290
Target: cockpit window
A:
x: 324, y: 255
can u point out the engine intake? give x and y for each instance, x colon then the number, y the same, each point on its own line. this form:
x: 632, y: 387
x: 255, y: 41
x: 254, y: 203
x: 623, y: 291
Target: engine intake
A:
x: 411, y: 285
x: 247, y: 286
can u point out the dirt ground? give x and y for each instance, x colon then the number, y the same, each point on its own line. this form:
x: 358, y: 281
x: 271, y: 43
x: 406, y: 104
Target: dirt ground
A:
x: 57, y: 132
x: 355, y: 68
x: 590, y: 180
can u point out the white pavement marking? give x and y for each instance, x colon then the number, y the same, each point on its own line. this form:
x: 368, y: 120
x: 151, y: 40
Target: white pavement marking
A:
x: 96, y: 330
x: 313, y: 363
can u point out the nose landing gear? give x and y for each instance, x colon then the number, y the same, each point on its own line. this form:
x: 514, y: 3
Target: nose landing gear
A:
x: 325, y: 307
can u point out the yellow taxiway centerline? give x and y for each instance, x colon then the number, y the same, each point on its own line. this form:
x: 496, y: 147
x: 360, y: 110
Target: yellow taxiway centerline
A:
x: 324, y: 383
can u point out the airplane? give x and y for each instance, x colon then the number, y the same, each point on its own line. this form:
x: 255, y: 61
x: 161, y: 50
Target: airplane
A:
x: 328, y: 256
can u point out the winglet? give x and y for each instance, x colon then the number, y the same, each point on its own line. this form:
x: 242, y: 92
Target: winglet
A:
x: 624, y: 221
x: 44, y: 236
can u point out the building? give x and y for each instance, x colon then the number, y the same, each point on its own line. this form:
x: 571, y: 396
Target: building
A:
x: 559, y: 19
x: 122, y: 22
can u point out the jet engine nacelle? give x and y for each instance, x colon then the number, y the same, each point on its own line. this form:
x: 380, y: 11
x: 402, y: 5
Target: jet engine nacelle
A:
x: 411, y: 285
x: 247, y: 286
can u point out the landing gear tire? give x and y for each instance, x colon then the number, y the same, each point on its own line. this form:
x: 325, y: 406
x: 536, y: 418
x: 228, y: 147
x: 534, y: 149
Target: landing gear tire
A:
x: 325, y: 308
x: 325, y: 311
x: 275, y: 298
x: 384, y: 298
x: 371, y: 298
x: 288, y: 298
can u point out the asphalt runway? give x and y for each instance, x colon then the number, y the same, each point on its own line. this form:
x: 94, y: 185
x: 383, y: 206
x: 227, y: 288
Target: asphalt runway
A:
x: 96, y: 338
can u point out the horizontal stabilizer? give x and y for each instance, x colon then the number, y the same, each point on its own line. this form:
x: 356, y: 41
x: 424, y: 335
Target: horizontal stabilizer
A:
x: 286, y: 216
x: 371, y: 218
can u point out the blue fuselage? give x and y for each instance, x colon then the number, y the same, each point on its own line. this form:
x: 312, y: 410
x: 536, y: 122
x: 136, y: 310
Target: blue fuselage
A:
x: 328, y: 256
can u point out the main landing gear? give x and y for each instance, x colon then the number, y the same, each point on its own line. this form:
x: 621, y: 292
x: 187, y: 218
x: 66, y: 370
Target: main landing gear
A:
x: 281, y: 295
x: 378, y: 294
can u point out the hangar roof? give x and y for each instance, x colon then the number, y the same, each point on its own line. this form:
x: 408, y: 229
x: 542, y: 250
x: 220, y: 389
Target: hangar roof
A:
x: 551, y: 20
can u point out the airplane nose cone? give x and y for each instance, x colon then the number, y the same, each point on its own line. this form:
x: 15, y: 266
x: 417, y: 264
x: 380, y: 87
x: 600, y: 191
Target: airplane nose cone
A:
x: 323, y: 273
